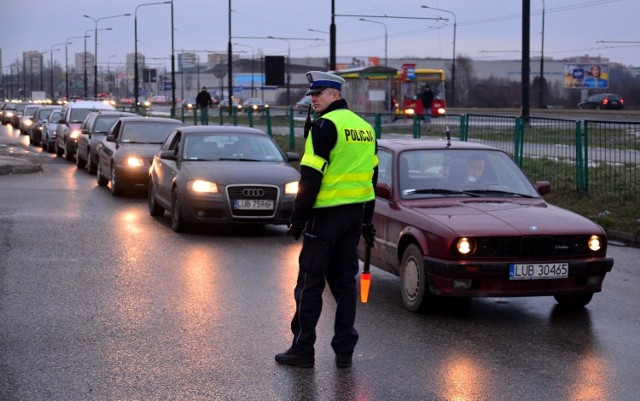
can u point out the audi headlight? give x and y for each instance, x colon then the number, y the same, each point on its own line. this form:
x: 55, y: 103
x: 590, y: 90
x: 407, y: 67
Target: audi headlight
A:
x: 74, y: 133
x: 134, y: 161
x: 465, y: 246
x: 594, y: 243
x: 204, y: 186
x: 291, y: 188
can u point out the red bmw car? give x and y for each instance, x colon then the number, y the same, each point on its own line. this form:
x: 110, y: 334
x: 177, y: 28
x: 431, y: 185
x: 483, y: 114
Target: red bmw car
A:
x: 462, y: 220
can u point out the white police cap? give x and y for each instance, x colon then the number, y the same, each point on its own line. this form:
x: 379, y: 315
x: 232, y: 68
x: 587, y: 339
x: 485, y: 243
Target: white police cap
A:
x: 319, y: 80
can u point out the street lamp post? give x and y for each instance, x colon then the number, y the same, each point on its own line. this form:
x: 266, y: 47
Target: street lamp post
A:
x: 386, y: 59
x: 95, y: 64
x: 453, y: 60
x: 252, y: 70
x: 316, y: 30
x: 66, y: 65
x: 173, y: 68
x: 541, y: 95
x: 51, y: 66
x: 289, y: 60
x: 136, y: 73
x: 42, y: 53
x: 288, y: 55
x: 109, y: 81
x: 86, y: 83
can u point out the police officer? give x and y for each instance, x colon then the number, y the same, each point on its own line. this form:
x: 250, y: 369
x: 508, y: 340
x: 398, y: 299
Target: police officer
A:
x: 333, y: 207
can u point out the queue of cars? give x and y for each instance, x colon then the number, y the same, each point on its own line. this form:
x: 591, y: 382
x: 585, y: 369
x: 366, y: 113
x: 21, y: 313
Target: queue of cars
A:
x: 125, y: 154
x: 453, y: 219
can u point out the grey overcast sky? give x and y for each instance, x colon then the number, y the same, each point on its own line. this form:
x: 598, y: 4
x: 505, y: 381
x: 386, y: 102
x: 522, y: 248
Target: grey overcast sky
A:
x: 486, y: 29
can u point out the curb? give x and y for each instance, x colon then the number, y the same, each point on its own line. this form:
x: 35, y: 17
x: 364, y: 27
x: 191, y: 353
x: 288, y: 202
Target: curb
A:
x: 626, y: 238
x: 20, y: 169
x: 14, y: 165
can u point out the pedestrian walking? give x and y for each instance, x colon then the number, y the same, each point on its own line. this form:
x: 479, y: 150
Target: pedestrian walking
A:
x: 203, y: 102
x: 427, y: 100
x: 333, y: 207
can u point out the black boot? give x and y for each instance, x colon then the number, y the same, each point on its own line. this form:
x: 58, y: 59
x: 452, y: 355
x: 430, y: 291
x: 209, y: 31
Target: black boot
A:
x: 290, y: 358
x: 343, y: 360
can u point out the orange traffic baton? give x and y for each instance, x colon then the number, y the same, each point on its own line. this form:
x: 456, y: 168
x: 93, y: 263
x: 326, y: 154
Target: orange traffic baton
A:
x: 365, y: 277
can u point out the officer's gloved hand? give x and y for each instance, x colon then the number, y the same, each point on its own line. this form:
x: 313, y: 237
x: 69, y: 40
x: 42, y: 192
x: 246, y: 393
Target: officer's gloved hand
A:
x: 369, y: 234
x: 295, y: 230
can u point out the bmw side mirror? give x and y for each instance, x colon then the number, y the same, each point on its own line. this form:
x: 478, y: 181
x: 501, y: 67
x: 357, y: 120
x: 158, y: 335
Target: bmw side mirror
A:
x: 543, y: 187
x: 383, y: 191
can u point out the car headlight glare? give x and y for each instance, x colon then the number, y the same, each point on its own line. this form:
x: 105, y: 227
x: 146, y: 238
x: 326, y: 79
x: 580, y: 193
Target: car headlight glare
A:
x: 291, y: 188
x: 594, y: 243
x: 135, y: 162
x: 74, y: 134
x: 464, y: 246
x: 204, y: 186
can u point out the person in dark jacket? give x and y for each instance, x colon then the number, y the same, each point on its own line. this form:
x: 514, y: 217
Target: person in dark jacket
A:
x: 427, y: 100
x: 333, y: 208
x: 204, y: 101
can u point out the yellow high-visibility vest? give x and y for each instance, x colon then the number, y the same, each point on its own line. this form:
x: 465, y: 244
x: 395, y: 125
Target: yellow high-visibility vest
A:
x: 349, y: 170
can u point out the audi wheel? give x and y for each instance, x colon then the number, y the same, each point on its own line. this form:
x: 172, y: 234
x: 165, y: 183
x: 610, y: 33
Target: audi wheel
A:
x: 177, y: 223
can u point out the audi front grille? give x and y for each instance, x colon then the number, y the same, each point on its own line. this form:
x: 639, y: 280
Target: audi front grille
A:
x: 257, y: 194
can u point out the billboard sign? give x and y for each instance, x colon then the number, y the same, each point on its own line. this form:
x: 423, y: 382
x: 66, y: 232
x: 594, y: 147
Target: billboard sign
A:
x: 586, y: 76
x: 344, y: 63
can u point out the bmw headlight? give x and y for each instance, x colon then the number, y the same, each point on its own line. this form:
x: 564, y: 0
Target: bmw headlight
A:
x: 465, y: 246
x: 203, y: 186
x: 134, y: 161
x: 291, y: 188
x: 594, y: 243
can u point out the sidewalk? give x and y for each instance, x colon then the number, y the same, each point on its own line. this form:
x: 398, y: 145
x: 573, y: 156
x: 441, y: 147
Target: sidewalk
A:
x: 17, y: 160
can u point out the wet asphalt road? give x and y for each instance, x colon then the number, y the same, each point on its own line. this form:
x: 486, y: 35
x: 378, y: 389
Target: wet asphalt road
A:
x: 100, y: 301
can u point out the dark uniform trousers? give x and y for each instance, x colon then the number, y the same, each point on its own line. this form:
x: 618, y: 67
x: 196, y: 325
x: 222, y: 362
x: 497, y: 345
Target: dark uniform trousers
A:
x: 329, y: 252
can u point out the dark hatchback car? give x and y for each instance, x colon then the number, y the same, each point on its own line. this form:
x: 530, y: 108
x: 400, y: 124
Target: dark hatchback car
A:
x: 95, y: 127
x: 40, y: 119
x: 464, y: 221
x: 220, y: 174
x: 125, y: 154
x: 603, y: 101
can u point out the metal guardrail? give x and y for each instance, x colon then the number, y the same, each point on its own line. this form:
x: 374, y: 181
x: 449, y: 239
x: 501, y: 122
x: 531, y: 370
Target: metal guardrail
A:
x: 601, y: 158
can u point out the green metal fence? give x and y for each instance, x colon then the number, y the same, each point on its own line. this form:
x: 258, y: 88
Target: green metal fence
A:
x: 598, y: 157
